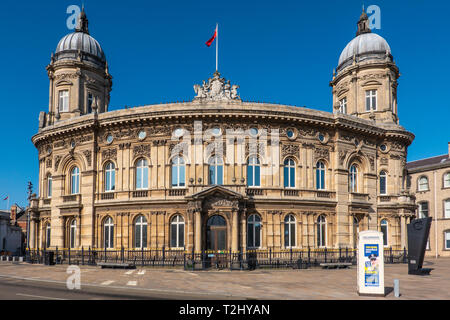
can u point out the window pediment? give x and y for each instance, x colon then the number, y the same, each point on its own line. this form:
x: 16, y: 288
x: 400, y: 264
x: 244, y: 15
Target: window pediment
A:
x: 63, y: 83
x: 371, y: 83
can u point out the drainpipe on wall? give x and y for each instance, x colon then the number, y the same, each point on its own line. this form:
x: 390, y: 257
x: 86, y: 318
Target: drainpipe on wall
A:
x: 435, y: 213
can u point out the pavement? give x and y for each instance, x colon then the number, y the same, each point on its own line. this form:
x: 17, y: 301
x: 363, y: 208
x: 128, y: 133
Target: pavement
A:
x: 27, y: 281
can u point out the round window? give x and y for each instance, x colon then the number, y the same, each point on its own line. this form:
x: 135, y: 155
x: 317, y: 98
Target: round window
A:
x: 321, y: 137
x: 142, y: 135
x: 179, y: 132
x: 109, y: 138
x: 383, y: 147
x: 254, y: 131
x: 216, y: 131
x: 290, y: 133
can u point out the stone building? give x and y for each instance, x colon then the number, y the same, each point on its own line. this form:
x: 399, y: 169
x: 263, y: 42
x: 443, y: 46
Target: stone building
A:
x: 10, y: 234
x: 429, y: 179
x: 217, y: 172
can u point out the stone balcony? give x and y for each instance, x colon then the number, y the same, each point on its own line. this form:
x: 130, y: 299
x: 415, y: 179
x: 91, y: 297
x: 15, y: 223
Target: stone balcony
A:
x: 355, y: 197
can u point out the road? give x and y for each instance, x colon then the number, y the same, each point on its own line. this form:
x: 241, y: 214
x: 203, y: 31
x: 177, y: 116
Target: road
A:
x: 15, y: 288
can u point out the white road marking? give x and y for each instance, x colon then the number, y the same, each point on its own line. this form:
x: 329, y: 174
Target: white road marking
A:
x: 132, y: 283
x: 130, y: 272
x: 193, y: 274
x: 41, y: 297
x: 141, y: 272
x: 107, y: 283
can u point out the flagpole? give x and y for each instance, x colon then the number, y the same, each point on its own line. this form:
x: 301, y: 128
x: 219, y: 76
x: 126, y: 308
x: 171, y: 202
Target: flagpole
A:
x: 217, y: 47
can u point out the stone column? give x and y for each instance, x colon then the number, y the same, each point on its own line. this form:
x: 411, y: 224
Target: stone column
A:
x: 32, y: 234
x: 403, y: 231
x: 198, y: 231
x: 243, y: 232
x: 235, y: 231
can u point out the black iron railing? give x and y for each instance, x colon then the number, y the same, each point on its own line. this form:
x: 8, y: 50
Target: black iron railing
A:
x: 242, y: 260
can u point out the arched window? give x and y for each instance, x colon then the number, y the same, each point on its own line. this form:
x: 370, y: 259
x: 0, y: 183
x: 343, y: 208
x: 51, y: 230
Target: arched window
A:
x: 289, y: 173
x: 447, y: 180
x: 384, y: 230
x: 321, y: 231
x: 353, y: 179
x: 423, y: 184
x: 423, y: 210
x: 253, y: 172
x: 289, y: 231
x: 178, y: 172
x: 383, y: 179
x: 108, y: 233
x: 75, y: 181
x: 110, y: 177
x: 216, y: 171
x: 177, y: 232
x: 141, y: 174
x: 73, y: 233
x: 140, y: 232
x: 254, y: 231
x: 47, y: 235
x: 49, y: 186
x: 320, y: 176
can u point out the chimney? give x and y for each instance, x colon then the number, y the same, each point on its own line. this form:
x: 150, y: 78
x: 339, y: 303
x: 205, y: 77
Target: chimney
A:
x: 449, y: 149
x: 13, y: 214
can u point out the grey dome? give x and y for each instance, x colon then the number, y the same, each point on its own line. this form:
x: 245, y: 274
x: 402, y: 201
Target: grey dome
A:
x: 365, y: 46
x: 80, y: 46
x: 69, y: 46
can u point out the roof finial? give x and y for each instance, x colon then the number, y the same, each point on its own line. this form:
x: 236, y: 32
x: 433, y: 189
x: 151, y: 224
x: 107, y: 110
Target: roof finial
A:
x: 83, y: 23
x: 363, y: 24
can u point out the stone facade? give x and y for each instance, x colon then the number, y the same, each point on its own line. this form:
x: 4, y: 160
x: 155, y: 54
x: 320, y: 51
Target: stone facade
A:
x: 324, y: 204
x: 429, y: 179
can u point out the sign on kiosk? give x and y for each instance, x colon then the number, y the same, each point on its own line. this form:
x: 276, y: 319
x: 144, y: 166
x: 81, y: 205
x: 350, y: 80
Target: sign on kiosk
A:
x: 370, y: 263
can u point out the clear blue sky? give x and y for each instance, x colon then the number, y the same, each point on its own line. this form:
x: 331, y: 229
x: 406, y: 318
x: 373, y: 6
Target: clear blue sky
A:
x: 277, y: 51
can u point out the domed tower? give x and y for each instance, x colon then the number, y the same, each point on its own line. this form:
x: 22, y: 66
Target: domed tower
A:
x: 365, y: 81
x: 80, y: 82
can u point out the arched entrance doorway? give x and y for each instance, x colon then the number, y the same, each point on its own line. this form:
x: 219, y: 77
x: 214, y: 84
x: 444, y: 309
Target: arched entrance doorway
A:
x: 216, y: 233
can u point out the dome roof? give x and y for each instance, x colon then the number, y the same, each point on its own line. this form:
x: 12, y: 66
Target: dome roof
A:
x: 80, y: 41
x: 365, y: 43
x: 79, y: 45
x: 365, y: 46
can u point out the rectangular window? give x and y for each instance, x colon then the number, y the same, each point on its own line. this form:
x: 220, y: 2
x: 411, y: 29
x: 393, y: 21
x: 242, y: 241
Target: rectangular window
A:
x: 423, y: 210
x: 447, y: 180
x: 384, y: 231
x: 49, y: 187
x: 64, y: 101
x: 371, y: 100
x: 138, y: 237
x: 447, y: 209
x: 383, y: 185
x: 343, y: 106
x: 447, y: 240
x: 90, y: 100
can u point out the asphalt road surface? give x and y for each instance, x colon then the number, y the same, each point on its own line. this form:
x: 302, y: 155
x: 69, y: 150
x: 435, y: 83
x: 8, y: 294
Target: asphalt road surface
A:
x: 21, y: 289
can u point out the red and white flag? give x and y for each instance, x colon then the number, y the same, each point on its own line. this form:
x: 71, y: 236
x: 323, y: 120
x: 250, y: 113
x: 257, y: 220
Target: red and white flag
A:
x: 210, y: 41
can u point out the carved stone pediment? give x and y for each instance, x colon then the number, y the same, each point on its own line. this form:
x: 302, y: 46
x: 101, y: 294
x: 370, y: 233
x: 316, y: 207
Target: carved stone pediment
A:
x: 109, y: 154
x: 141, y: 150
x: 322, y: 153
x: 216, y: 89
x: 289, y: 150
